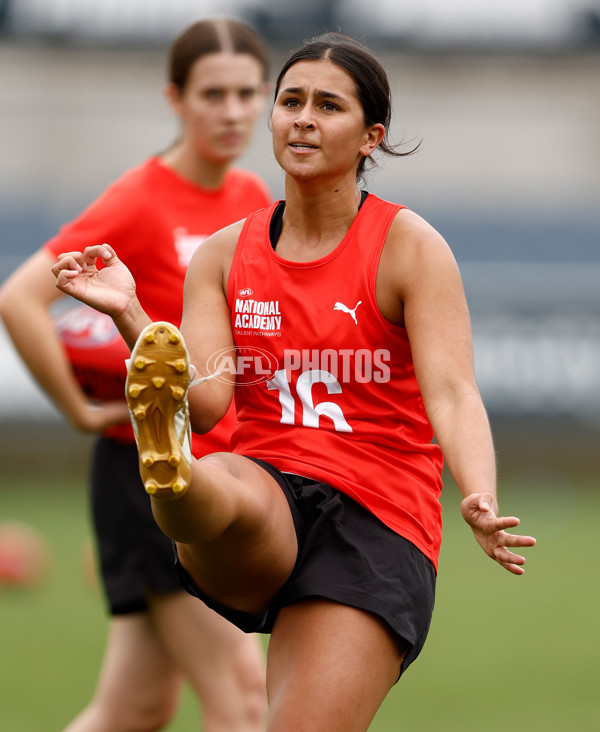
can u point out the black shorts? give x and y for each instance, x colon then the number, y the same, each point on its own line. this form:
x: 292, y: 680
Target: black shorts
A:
x: 345, y: 554
x: 135, y: 557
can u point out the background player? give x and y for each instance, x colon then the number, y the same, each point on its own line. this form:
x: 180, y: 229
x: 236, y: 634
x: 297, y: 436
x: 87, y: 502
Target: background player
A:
x: 155, y: 215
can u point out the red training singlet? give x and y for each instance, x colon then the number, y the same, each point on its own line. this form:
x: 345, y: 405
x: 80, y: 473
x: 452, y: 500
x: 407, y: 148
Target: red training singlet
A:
x: 154, y: 219
x: 325, y: 385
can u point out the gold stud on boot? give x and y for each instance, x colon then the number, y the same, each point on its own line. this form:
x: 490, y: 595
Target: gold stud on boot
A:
x: 135, y: 390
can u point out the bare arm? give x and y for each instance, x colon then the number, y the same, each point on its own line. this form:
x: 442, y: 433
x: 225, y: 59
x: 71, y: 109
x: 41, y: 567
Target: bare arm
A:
x: 206, y: 326
x: 25, y: 299
x: 431, y: 304
x: 205, y: 323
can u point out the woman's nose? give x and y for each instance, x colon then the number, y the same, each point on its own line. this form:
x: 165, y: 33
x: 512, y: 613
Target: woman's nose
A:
x: 234, y: 107
x: 303, y: 123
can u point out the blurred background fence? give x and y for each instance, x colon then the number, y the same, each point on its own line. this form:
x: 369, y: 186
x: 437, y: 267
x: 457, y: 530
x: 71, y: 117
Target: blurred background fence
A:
x: 503, y: 94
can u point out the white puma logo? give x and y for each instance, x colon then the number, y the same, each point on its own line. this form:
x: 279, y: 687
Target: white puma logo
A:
x: 346, y: 309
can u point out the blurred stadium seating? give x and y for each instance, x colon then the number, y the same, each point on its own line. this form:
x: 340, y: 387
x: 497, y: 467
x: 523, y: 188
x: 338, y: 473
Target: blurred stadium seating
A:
x: 506, y: 103
x: 420, y: 23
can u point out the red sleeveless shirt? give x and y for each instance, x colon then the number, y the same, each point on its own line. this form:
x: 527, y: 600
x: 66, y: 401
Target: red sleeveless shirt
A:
x: 325, y: 385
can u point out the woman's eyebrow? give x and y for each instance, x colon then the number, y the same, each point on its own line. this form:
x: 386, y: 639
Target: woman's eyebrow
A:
x: 328, y: 94
x: 318, y: 93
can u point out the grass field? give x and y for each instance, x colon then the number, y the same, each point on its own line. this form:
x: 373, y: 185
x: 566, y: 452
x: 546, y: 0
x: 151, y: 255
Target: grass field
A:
x: 504, y: 652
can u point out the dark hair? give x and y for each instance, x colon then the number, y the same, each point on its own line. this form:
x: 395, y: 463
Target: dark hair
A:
x: 213, y: 35
x: 370, y: 79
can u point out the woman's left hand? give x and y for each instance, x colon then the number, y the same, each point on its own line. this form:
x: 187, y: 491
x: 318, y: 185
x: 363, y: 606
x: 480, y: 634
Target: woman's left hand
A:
x: 478, y: 510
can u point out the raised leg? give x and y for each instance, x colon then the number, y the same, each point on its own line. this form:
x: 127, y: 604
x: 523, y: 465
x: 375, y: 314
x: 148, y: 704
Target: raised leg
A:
x: 229, y: 517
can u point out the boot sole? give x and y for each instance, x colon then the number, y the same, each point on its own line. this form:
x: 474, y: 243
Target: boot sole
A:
x: 157, y: 381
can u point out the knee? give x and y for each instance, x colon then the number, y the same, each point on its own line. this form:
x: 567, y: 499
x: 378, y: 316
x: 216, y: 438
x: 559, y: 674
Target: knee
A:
x: 250, y: 668
x: 237, y: 698
x: 151, y: 715
x: 154, y: 717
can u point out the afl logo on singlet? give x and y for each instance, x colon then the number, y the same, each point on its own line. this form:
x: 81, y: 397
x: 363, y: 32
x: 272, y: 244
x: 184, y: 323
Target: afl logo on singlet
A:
x: 246, y: 292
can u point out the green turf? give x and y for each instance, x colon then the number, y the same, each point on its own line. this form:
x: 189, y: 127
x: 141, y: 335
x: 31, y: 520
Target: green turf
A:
x: 504, y: 652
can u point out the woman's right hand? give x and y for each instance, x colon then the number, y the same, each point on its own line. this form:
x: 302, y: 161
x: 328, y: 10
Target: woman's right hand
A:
x: 96, y: 417
x: 110, y: 290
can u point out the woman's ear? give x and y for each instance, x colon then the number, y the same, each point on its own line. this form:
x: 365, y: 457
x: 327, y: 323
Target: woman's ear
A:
x: 265, y: 90
x: 373, y: 137
x: 173, y: 96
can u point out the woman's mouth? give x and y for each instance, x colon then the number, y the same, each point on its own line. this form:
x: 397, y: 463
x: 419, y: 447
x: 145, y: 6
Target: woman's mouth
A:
x: 303, y: 146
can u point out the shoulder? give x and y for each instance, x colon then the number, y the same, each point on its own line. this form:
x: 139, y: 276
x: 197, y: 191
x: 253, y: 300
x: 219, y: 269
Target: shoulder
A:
x: 244, y: 176
x: 134, y: 179
x: 416, y: 256
x: 115, y: 214
x: 211, y: 263
x: 216, y: 252
x: 137, y: 188
x: 125, y: 196
x: 411, y: 236
x: 415, y: 267
x: 247, y: 181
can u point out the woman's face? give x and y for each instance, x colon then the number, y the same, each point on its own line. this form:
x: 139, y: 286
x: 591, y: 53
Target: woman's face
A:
x: 318, y: 122
x: 219, y: 105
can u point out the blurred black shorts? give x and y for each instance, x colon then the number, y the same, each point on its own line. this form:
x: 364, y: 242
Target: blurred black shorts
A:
x: 346, y: 554
x: 135, y: 557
